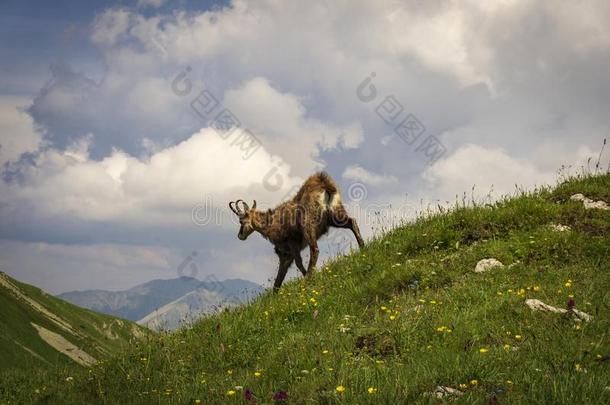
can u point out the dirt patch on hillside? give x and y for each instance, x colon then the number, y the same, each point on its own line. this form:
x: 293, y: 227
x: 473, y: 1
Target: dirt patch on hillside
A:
x: 59, y: 343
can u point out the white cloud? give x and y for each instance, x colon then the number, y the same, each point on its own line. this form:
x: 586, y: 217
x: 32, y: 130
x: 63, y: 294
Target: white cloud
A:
x: 17, y: 134
x: 162, y: 189
x: 358, y: 173
x: 110, y: 26
x: 280, y: 119
x: 490, y: 169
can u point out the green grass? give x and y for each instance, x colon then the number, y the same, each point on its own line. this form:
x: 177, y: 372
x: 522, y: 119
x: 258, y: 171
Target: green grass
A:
x: 21, y: 347
x: 402, y: 316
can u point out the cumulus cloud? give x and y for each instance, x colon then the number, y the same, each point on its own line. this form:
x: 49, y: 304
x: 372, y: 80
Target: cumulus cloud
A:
x: 17, y: 133
x: 513, y: 89
x: 358, y: 173
x: 161, y: 190
x: 493, y: 170
x: 281, y: 120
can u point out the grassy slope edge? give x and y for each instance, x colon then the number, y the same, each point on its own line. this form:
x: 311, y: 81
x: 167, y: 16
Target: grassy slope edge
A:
x: 23, y: 349
x: 391, y: 322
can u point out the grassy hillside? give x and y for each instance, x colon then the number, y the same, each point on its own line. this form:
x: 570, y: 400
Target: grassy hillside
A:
x: 390, y: 323
x: 38, y: 330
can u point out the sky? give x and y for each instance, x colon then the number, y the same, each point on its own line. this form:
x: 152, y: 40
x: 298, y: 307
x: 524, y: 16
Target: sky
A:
x: 127, y: 127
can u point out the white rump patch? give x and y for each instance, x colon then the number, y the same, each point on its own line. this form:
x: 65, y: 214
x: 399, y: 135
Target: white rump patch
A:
x: 328, y: 202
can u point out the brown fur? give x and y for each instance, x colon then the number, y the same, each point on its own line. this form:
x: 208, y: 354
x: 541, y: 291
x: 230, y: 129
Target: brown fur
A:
x: 299, y: 222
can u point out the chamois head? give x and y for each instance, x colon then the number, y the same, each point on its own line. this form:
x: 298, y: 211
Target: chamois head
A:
x: 245, y: 214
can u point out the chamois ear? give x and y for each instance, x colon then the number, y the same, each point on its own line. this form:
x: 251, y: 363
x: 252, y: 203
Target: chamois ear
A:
x: 254, y: 205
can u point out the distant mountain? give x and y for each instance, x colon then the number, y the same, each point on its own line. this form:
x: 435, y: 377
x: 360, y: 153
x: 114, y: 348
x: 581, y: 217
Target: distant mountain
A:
x: 39, y: 330
x: 135, y: 303
x: 204, y: 300
x: 165, y: 304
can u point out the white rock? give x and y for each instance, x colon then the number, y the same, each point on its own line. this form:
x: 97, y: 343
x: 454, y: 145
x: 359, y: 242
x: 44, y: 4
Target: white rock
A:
x: 538, y: 305
x: 559, y: 227
x: 487, y: 264
x: 589, y: 203
x: 442, y: 392
x: 578, y: 197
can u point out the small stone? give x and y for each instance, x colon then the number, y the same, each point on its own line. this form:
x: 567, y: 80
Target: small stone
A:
x: 537, y: 305
x: 559, y: 227
x: 487, y: 264
x: 442, y: 392
x: 589, y: 203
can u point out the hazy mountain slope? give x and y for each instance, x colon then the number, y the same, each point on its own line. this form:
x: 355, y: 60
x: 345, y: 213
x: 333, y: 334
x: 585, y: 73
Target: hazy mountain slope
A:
x: 135, y: 303
x: 144, y: 302
x: 37, y: 329
x: 204, y: 300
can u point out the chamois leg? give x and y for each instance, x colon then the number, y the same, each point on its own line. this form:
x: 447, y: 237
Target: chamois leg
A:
x: 296, y: 253
x: 285, y: 262
x: 339, y: 218
x: 313, y: 251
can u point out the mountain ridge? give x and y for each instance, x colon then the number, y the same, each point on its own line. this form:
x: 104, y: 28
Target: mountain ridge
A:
x: 143, y: 300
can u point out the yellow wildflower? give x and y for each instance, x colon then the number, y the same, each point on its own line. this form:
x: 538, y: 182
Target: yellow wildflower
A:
x: 568, y: 284
x: 324, y: 351
x: 230, y: 393
x: 340, y: 389
x: 506, y: 347
x: 536, y: 288
x: 257, y: 374
x: 463, y: 386
x: 392, y: 317
x: 578, y: 367
x: 518, y: 337
x: 483, y: 350
x: 474, y: 382
x: 372, y: 390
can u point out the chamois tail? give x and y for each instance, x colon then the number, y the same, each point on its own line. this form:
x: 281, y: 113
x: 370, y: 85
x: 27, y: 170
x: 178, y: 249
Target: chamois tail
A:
x: 328, y: 183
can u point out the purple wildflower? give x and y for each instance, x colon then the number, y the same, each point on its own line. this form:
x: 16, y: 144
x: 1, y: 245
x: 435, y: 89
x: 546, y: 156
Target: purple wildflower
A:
x: 571, y: 304
x: 280, y: 396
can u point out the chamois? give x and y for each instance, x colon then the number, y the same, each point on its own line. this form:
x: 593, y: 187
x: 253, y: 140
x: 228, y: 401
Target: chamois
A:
x: 297, y: 223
